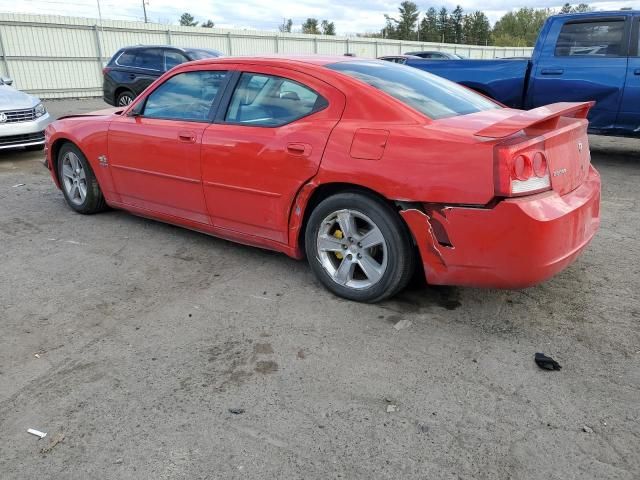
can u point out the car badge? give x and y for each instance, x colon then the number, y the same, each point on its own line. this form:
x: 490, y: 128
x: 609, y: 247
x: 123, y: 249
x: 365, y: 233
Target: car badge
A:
x: 3, y: 117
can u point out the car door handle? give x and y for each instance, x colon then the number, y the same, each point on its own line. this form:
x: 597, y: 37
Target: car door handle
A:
x: 552, y: 71
x: 188, y: 137
x: 132, y: 76
x: 299, y: 148
x: 636, y: 71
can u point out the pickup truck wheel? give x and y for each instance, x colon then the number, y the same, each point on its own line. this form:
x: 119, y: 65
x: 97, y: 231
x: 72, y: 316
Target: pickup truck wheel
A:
x: 79, y: 184
x: 358, y: 247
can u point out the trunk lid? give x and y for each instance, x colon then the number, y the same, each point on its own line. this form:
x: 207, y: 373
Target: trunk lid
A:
x: 568, y: 155
x: 559, y: 131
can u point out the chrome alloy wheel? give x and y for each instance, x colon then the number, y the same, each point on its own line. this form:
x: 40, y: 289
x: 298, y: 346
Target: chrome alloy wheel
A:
x: 74, y: 178
x: 124, y: 100
x: 352, y: 249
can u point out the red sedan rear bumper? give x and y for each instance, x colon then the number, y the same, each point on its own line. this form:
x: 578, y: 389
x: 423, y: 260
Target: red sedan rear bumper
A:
x: 518, y: 243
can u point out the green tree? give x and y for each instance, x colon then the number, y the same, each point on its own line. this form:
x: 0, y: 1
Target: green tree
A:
x: 477, y: 29
x: 187, y: 20
x: 286, y: 26
x: 519, y: 28
x: 444, y: 26
x: 456, y: 20
x: 327, y: 27
x: 583, y: 7
x: 429, y: 26
x: 404, y: 27
x: 311, y: 26
x: 208, y: 24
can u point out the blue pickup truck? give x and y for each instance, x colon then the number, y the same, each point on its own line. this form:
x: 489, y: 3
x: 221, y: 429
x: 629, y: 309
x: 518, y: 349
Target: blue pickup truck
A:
x: 577, y: 57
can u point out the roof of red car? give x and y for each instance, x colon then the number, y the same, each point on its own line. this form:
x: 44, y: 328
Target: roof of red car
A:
x: 280, y: 59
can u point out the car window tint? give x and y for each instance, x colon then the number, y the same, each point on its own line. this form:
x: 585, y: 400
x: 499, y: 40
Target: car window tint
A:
x: 200, y: 54
x: 126, y: 59
x: 430, y: 95
x: 600, y: 39
x: 173, y: 58
x: 186, y: 96
x: 150, y: 59
x: 270, y: 101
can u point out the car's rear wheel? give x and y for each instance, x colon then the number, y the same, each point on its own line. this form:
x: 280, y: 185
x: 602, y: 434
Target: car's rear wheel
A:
x: 79, y: 184
x: 358, y: 247
x: 124, y: 98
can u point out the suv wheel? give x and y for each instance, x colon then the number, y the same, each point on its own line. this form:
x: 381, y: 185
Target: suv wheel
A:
x: 124, y: 98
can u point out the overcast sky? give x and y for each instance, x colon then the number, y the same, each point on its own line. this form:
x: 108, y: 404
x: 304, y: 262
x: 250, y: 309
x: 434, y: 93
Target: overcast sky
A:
x: 350, y: 16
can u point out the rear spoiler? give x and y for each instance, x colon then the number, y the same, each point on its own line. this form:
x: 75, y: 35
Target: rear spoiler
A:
x: 541, y: 117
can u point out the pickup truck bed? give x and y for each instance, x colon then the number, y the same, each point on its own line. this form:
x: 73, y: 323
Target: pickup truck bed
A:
x: 503, y: 80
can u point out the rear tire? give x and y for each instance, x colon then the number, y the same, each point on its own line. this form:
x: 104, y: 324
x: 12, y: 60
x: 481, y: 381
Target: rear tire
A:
x: 359, y: 248
x: 124, y: 98
x: 79, y: 184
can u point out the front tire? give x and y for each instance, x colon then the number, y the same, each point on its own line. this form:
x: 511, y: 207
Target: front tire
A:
x: 358, y: 247
x: 79, y: 184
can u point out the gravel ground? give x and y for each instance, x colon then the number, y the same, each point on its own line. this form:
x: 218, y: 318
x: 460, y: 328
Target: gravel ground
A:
x: 134, y: 339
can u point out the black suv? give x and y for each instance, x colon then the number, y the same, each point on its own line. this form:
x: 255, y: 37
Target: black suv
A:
x: 132, y: 69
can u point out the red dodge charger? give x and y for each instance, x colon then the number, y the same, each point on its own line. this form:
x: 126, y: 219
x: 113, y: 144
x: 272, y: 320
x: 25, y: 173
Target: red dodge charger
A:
x: 363, y: 166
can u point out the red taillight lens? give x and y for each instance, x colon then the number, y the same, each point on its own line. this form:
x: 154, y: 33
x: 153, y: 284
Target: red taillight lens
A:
x: 106, y: 70
x: 539, y: 164
x: 522, y: 168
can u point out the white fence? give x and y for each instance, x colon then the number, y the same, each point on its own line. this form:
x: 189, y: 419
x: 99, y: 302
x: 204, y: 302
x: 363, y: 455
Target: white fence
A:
x: 57, y: 57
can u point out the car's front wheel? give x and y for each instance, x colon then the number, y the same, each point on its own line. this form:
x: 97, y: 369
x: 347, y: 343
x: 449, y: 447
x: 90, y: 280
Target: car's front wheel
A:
x: 358, y: 247
x: 79, y: 184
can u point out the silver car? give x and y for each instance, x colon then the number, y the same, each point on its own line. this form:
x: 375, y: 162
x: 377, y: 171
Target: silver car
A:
x: 23, y: 118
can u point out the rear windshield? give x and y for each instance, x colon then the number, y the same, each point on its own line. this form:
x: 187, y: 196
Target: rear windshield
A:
x: 433, y: 96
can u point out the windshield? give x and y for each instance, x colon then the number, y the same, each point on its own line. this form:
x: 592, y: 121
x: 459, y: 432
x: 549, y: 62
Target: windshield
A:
x: 432, y: 96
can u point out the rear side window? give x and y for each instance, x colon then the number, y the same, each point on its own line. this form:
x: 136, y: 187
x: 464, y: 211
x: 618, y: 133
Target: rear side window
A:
x: 150, y: 59
x: 186, y: 96
x: 126, y: 59
x: 271, y: 101
x: 597, y: 39
x: 430, y: 95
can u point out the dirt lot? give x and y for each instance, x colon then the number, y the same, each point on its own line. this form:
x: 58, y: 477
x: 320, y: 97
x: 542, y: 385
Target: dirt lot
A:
x: 133, y: 339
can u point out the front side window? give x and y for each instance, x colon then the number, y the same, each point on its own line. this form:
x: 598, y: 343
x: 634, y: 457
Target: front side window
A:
x: 430, y: 95
x: 172, y: 59
x: 270, y: 101
x: 597, y: 38
x: 186, y: 96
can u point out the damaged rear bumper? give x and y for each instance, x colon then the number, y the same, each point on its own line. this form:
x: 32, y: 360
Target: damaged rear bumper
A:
x: 518, y: 243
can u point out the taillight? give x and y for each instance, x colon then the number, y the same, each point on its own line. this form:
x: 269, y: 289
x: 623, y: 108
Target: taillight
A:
x: 521, y: 169
x: 540, y: 164
x: 106, y: 70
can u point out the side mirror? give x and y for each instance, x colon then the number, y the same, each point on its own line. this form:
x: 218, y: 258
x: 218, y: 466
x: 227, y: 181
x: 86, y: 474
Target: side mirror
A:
x: 137, y: 110
x: 7, y: 80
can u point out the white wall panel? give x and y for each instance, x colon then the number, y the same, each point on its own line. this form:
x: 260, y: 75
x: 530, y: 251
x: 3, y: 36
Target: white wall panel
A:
x: 57, y: 57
